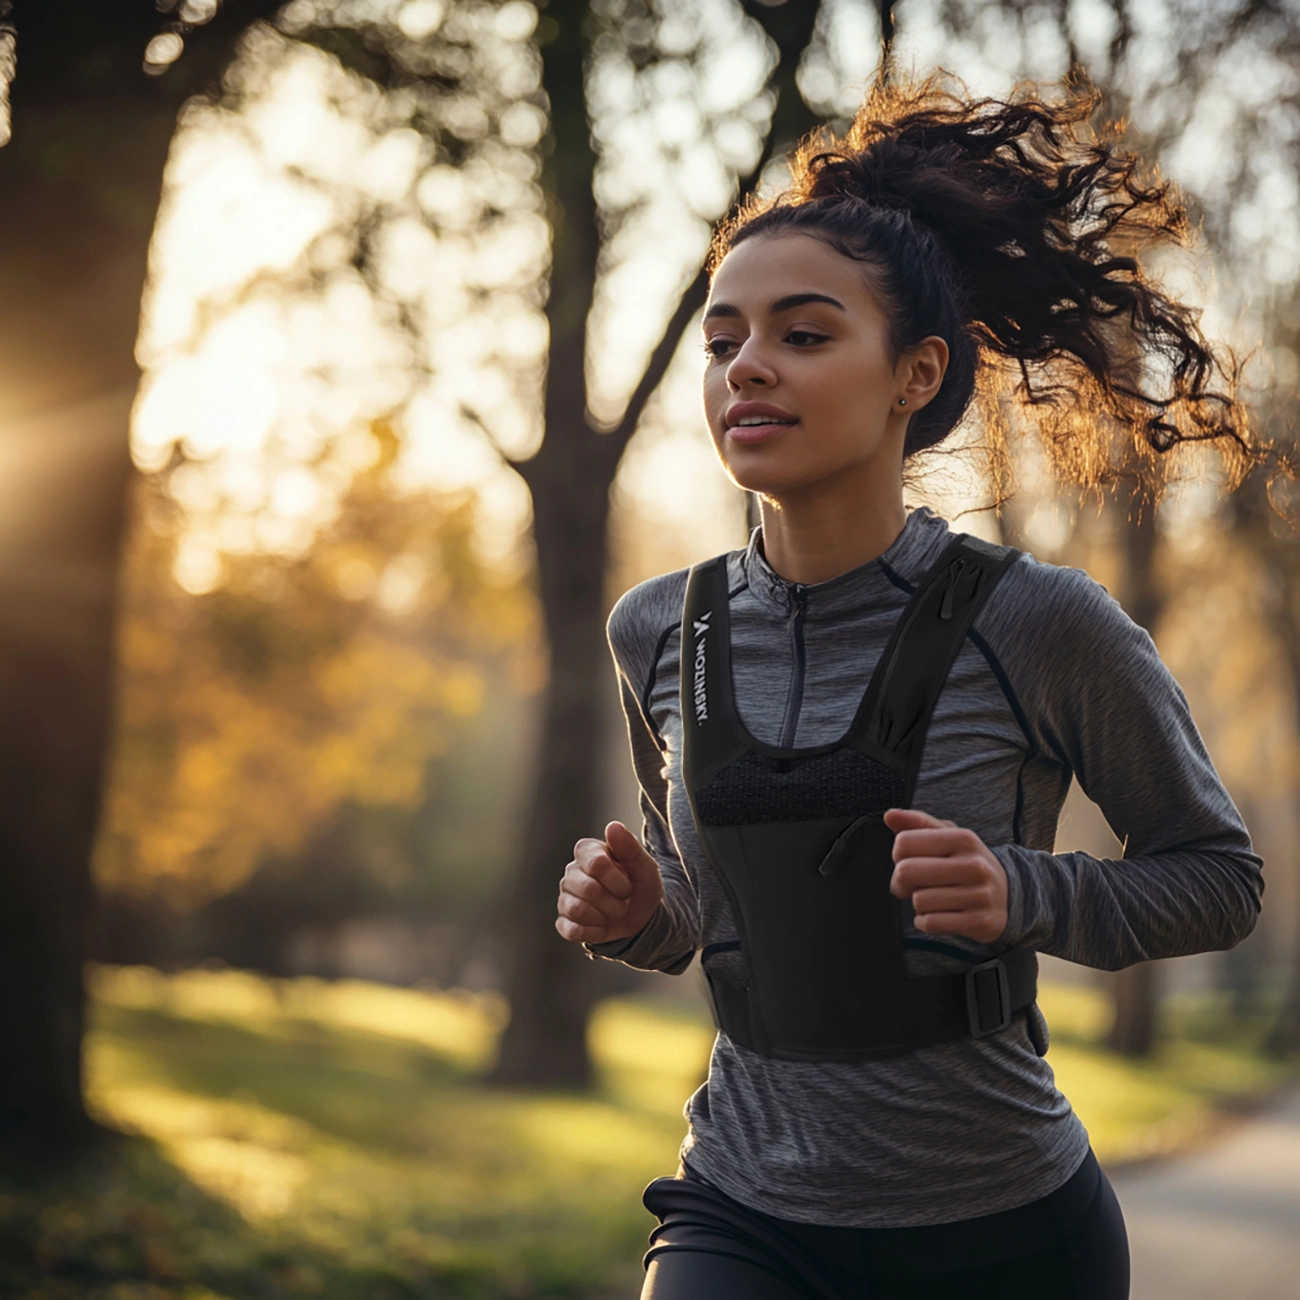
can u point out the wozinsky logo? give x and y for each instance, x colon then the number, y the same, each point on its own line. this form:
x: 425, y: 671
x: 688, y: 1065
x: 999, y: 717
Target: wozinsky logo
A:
x: 701, y: 689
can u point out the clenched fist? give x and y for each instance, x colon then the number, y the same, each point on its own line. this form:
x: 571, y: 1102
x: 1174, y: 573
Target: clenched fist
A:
x: 610, y: 889
x: 955, y: 883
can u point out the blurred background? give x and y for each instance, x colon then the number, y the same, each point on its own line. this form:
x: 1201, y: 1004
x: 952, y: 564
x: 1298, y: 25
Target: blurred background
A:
x: 349, y: 372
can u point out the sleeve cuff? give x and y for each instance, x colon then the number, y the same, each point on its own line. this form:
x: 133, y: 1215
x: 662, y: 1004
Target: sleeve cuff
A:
x: 656, y: 946
x: 615, y: 948
x: 1016, y: 927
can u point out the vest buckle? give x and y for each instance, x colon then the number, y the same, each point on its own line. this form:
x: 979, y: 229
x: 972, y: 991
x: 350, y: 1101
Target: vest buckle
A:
x: 988, y: 998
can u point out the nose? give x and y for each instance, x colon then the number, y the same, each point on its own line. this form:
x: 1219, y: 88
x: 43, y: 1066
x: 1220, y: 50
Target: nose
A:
x: 750, y: 367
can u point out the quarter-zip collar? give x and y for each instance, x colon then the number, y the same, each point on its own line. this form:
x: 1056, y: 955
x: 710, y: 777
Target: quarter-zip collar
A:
x: 923, y: 536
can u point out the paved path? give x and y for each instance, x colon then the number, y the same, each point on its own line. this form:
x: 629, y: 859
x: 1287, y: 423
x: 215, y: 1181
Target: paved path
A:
x: 1223, y: 1222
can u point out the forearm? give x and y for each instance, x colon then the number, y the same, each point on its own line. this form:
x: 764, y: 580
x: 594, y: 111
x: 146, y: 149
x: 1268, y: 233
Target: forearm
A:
x: 670, y: 938
x: 1110, y: 913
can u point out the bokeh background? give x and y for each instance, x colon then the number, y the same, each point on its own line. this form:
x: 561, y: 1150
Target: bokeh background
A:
x: 349, y: 372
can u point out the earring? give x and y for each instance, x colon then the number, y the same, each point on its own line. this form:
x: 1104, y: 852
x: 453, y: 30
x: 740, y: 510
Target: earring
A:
x: 902, y: 401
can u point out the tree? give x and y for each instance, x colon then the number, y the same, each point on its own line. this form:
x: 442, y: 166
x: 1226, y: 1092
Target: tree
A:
x: 543, y: 1042
x: 569, y: 478
x: 1133, y: 1029
x: 298, y: 690
x: 81, y: 175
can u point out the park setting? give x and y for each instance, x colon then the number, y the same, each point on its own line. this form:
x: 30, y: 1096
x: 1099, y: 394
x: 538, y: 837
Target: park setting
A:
x: 350, y: 375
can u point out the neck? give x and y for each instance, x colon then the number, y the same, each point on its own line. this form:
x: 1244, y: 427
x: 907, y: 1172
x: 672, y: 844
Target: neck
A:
x: 827, y: 529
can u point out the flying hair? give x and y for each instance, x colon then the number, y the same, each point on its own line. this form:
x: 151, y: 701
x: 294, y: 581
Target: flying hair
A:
x: 1016, y: 232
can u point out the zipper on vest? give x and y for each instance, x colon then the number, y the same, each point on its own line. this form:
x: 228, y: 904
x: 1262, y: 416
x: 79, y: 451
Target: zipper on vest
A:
x: 955, y: 570
x: 838, y: 853
x: 794, y: 702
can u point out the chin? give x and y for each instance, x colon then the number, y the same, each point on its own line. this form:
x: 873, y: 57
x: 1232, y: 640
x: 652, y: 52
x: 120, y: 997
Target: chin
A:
x: 777, y: 476
x: 773, y: 483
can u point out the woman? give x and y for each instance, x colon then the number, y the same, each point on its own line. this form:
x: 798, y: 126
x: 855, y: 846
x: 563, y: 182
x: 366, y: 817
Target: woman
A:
x: 854, y: 737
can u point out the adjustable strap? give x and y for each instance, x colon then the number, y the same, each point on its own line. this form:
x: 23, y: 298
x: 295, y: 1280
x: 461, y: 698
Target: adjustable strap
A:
x: 910, y: 676
x: 938, y: 1008
x: 709, y: 734
x: 974, y: 1004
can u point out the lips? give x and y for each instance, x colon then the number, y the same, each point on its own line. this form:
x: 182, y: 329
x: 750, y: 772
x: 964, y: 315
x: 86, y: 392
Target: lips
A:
x: 757, y: 421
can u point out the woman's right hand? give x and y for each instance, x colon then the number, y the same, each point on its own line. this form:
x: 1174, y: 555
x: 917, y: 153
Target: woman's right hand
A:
x: 610, y: 889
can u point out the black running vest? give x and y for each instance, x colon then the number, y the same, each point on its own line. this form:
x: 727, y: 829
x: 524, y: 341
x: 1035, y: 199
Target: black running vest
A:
x: 798, y: 841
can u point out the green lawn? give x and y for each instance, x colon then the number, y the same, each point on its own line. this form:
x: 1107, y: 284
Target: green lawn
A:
x: 312, y: 1139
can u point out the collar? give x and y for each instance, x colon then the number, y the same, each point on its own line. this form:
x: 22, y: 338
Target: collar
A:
x: 923, y: 536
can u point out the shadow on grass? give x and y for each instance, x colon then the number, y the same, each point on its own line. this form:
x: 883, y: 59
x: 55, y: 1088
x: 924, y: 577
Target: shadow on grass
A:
x: 123, y: 1223
x: 348, y: 1084
x: 337, y: 1162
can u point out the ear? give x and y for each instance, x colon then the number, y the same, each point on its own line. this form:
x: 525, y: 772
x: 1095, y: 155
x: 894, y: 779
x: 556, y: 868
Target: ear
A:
x: 920, y: 371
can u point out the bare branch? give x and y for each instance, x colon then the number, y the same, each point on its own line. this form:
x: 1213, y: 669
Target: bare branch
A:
x: 791, y: 119
x: 469, y: 413
x: 660, y: 359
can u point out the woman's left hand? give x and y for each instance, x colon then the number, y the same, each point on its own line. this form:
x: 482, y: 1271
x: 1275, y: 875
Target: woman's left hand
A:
x: 955, y: 883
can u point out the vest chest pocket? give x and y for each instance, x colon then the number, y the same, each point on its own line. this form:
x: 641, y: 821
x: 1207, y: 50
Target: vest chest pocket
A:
x: 823, y: 949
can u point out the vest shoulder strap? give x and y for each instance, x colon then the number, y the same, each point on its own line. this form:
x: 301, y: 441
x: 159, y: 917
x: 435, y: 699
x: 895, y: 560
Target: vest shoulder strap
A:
x: 925, y: 642
x: 709, y: 734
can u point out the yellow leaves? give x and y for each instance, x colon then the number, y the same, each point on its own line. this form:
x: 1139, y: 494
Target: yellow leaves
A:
x: 464, y: 693
x: 387, y: 701
x: 251, y: 716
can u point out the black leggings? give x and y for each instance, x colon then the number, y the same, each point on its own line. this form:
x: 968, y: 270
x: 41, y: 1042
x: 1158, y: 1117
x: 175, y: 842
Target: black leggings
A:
x: 1070, y: 1245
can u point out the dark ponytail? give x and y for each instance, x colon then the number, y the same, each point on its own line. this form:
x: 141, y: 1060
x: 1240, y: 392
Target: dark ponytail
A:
x: 1014, y: 234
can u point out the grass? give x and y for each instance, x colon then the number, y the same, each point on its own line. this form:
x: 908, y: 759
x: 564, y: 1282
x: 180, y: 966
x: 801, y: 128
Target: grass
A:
x: 299, y: 1138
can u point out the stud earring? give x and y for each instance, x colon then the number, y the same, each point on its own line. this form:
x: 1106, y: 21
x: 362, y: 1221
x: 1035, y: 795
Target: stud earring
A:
x: 902, y: 401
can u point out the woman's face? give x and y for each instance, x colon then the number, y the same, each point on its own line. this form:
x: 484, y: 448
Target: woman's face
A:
x: 801, y: 384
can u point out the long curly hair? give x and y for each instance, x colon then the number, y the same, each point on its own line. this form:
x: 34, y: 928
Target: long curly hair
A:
x: 1015, y: 232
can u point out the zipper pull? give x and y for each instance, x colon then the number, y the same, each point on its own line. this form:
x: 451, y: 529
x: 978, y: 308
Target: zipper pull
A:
x: 838, y: 853
x: 955, y: 570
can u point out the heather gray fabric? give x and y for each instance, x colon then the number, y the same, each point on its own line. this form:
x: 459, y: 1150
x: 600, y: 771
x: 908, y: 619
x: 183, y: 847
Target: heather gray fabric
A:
x: 1054, y: 679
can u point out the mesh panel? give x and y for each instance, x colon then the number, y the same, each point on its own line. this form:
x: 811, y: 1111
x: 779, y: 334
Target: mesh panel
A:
x: 756, y: 788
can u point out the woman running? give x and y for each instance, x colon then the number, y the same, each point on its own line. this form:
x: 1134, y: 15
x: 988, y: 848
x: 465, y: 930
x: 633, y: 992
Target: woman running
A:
x: 854, y: 737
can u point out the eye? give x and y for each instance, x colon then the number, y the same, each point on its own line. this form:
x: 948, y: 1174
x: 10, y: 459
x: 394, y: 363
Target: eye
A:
x: 718, y: 347
x: 805, y: 338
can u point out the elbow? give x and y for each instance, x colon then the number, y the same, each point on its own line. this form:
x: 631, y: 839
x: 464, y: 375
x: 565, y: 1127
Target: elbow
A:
x: 1231, y: 921
x: 1244, y: 921
x: 1240, y: 920
x: 1230, y: 910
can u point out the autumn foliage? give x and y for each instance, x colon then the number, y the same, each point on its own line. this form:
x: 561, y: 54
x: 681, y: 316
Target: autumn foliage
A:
x: 301, y: 687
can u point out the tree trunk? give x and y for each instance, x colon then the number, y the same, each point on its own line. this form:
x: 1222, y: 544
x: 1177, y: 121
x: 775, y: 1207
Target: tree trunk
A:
x: 1284, y: 1034
x: 80, y: 179
x: 70, y: 284
x: 550, y: 985
x: 1133, y: 1030
x: 1280, y: 553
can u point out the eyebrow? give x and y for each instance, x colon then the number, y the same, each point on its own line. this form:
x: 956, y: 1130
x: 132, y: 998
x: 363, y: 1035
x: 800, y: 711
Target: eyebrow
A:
x: 790, y: 301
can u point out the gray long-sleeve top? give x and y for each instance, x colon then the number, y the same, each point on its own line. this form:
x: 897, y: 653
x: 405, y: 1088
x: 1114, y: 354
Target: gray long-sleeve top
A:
x: 1054, y: 680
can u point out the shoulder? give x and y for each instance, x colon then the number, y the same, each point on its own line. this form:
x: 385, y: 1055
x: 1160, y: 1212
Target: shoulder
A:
x: 1051, y: 609
x: 641, y: 620
x: 1069, y: 653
